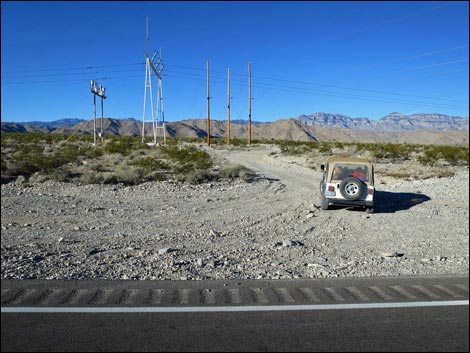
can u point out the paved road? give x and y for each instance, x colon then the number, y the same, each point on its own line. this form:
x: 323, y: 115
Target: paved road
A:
x: 376, y: 314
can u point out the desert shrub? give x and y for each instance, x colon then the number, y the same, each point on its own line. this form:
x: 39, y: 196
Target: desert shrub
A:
x: 124, y: 145
x: 197, y: 176
x: 238, y: 142
x: 454, y: 155
x: 237, y: 171
x: 94, y: 166
x: 112, y: 160
x: 109, y: 178
x: 38, y: 178
x: 91, y: 178
x: 150, y: 164
x: 296, y: 147
x: 338, y: 144
x: 68, y: 153
x: 188, y: 158
x: 390, y: 151
x: 326, y: 148
x: 129, y: 175
x: 87, y: 151
x: 28, y: 164
x: 157, y: 175
x: 4, y: 165
x: 231, y: 171
x: 21, y: 181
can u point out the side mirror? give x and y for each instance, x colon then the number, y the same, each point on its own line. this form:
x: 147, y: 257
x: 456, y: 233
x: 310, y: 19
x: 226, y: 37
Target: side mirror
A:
x: 322, y: 167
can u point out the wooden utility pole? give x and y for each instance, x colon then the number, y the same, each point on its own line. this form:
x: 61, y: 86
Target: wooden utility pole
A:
x: 228, y: 107
x: 208, y: 108
x: 249, y: 103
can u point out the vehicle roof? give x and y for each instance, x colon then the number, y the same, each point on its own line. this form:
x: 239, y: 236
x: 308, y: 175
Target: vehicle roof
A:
x: 337, y: 159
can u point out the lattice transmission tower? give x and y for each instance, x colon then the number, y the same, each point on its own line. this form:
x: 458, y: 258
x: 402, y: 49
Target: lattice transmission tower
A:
x: 158, y: 116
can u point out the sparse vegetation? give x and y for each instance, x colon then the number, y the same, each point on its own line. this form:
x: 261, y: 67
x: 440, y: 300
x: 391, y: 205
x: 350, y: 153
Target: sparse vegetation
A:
x: 72, y: 158
x: 297, y: 147
x: 41, y: 157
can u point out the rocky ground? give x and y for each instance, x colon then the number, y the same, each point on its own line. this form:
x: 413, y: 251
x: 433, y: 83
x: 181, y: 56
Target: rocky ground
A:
x: 268, y: 228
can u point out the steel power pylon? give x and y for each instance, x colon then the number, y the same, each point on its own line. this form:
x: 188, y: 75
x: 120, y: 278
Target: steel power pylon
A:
x: 158, y: 119
x: 101, y: 93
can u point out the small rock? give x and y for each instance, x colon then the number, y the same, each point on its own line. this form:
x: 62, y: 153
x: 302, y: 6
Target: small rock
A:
x: 392, y: 254
x: 38, y: 258
x: 165, y: 251
x: 314, y: 265
x: 287, y: 243
x: 214, y: 233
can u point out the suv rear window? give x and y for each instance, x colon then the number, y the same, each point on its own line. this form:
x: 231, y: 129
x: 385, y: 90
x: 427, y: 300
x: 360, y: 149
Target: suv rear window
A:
x: 345, y: 170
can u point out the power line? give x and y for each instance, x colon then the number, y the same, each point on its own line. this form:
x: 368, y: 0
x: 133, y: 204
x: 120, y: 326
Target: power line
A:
x: 68, y: 80
x: 73, y: 68
x: 433, y: 65
x: 72, y: 73
x: 391, y: 20
x: 311, y: 90
x: 416, y: 56
x: 296, y: 89
x: 331, y: 94
x: 313, y: 83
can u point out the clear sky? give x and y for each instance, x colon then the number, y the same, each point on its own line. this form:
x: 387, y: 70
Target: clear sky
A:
x: 360, y: 59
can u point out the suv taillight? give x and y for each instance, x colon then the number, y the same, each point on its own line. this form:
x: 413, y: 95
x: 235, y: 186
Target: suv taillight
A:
x: 370, y: 191
x: 331, y: 188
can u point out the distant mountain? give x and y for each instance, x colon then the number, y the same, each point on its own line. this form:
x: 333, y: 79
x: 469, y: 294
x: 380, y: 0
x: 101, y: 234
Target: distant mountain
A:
x: 14, y: 127
x: 400, y: 122
x: 56, y: 123
x: 110, y: 126
x: 394, y: 122
x: 245, y: 122
x: 40, y: 126
x: 395, y: 127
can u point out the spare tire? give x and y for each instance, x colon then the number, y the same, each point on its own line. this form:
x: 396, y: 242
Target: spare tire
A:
x: 351, y: 188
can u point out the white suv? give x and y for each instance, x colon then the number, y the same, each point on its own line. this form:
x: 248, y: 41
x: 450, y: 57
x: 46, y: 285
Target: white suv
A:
x: 348, y: 182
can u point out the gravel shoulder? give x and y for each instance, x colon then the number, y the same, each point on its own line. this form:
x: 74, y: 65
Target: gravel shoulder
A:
x: 269, y: 228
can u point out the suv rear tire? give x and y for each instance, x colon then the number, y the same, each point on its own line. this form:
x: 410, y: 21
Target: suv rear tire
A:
x: 324, y: 203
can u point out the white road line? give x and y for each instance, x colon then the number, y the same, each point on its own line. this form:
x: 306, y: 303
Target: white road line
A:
x: 202, y: 309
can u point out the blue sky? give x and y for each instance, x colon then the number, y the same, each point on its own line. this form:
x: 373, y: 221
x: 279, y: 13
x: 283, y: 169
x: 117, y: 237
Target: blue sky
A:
x: 361, y: 59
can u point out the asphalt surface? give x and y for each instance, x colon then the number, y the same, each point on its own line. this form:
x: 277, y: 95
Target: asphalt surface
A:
x: 312, y: 315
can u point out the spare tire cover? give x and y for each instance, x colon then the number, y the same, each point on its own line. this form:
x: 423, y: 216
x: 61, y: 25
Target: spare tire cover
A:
x: 351, y: 188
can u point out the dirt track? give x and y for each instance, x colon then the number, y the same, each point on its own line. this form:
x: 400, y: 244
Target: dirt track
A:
x: 268, y: 228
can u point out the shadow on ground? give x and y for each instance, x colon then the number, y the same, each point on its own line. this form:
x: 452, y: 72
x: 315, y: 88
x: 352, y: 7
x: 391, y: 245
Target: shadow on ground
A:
x: 390, y: 202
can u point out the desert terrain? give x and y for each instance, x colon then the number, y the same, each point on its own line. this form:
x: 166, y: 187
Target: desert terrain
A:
x: 270, y: 227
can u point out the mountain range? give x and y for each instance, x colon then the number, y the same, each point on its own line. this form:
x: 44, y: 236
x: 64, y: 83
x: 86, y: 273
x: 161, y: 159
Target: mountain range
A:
x: 395, y: 127
x: 394, y: 122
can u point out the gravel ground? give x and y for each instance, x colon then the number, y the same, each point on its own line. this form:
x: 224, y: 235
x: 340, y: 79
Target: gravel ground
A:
x: 269, y: 228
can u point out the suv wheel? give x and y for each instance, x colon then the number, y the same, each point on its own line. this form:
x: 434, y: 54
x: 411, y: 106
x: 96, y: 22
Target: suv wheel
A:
x: 351, y: 188
x: 324, y: 203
